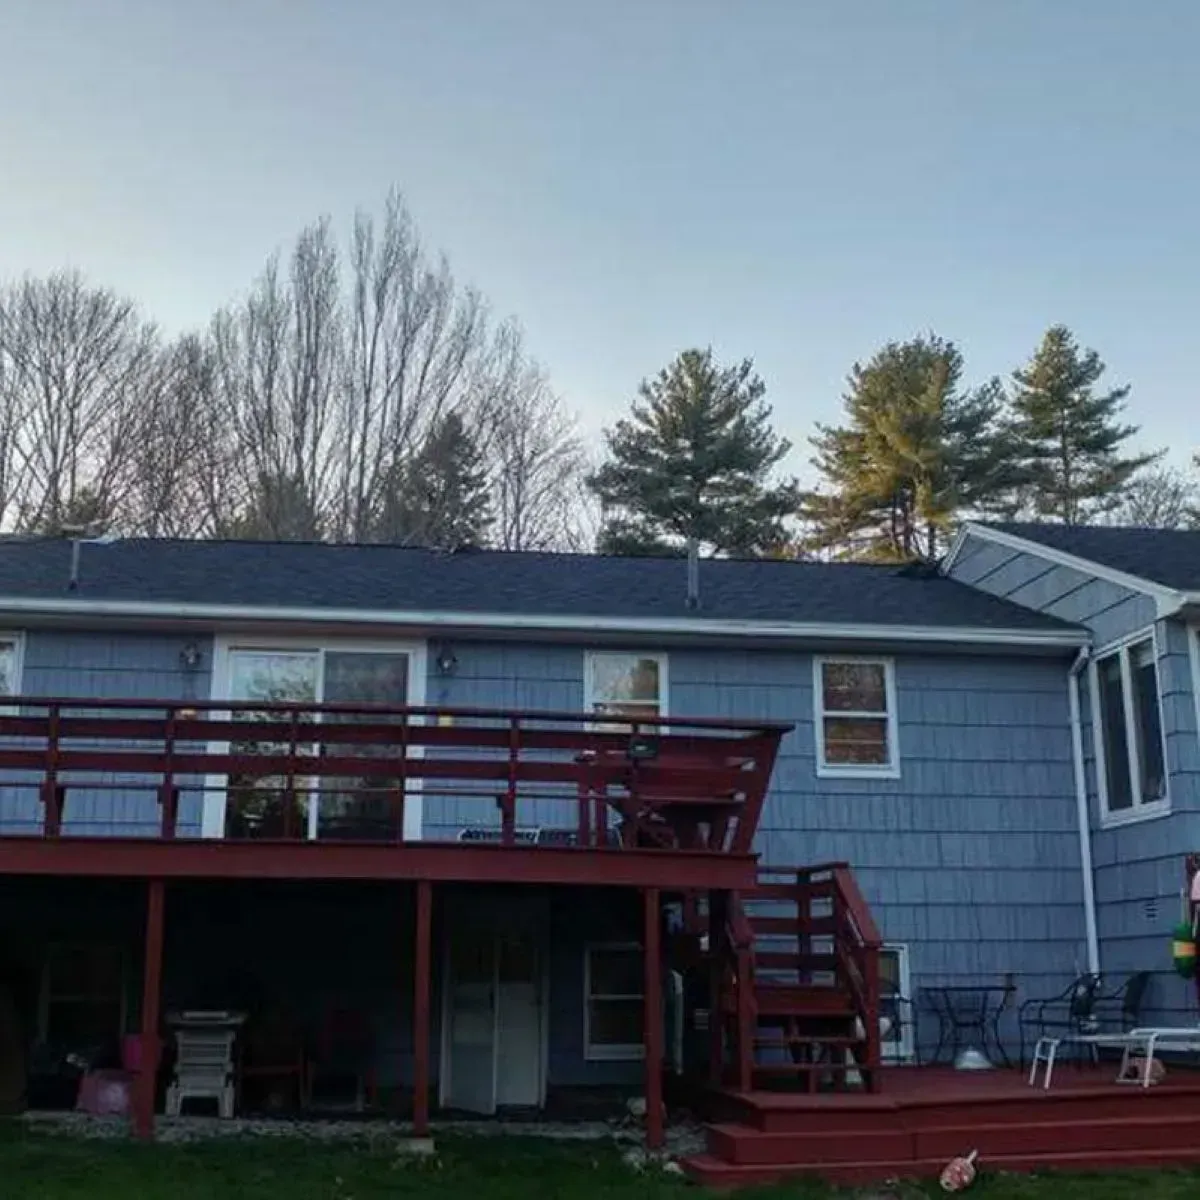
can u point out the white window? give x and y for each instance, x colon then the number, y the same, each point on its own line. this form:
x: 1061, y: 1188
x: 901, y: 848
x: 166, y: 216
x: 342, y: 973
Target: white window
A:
x: 304, y: 673
x: 11, y: 655
x: 1127, y: 721
x: 855, y: 711
x: 614, y: 1000
x: 83, y: 995
x: 625, y: 685
x: 897, y: 1014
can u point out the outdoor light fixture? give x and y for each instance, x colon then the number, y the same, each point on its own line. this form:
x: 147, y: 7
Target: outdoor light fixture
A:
x: 189, y: 656
x: 446, y: 660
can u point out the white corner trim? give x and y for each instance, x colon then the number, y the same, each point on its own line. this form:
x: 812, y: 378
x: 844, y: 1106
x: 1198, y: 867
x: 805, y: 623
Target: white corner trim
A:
x: 1168, y: 597
x: 1082, y: 815
x: 826, y: 770
x: 16, y: 639
x: 401, y: 622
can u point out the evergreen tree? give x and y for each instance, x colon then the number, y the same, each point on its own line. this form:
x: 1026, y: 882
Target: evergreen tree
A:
x: 1068, y: 437
x: 915, y: 452
x: 693, y: 462
x: 280, y: 509
x: 439, y: 497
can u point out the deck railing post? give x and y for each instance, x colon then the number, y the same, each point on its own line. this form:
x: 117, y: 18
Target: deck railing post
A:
x: 653, y: 1018
x: 147, y: 1079
x: 421, y: 989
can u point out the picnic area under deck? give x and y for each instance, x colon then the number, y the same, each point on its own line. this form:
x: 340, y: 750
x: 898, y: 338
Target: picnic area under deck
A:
x: 324, y: 794
x: 921, y: 1117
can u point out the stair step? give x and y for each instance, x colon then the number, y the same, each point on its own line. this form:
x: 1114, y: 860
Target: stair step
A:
x: 715, y: 1172
x: 809, y: 1039
x: 742, y: 1145
x: 791, y: 960
x: 1045, y: 1137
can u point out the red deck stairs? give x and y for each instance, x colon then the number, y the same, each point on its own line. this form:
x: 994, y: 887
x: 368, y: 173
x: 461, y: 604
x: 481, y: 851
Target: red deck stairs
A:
x: 797, y: 1086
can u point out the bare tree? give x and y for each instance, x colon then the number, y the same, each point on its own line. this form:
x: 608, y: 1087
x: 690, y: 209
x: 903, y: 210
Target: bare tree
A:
x: 1160, y: 497
x: 76, y: 360
x: 413, y: 344
x: 535, y: 455
x: 277, y: 359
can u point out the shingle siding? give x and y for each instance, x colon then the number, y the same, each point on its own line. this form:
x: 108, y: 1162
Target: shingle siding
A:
x: 1138, y: 867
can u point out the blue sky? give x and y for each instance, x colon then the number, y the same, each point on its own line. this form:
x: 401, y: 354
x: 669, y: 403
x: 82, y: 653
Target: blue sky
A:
x: 795, y: 180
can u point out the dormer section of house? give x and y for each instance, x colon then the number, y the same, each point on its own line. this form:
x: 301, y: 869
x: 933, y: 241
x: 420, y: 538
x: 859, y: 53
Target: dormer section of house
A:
x: 1137, y: 591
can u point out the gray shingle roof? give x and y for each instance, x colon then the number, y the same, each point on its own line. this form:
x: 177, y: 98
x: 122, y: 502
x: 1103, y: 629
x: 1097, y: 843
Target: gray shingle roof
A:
x: 1167, y: 556
x: 388, y: 578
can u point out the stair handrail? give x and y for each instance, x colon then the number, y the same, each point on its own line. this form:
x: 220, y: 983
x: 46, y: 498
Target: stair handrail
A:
x: 853, y: 917
x: 741, y: 941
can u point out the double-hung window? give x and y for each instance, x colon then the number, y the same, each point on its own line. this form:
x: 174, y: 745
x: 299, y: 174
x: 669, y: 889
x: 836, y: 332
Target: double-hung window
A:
x: 855, y: 717
x: 613, y: 1002
x: 625, y: 685
x: 1128, y: 727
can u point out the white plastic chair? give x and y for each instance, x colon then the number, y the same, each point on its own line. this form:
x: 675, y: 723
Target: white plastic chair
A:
x: 203, y: 1069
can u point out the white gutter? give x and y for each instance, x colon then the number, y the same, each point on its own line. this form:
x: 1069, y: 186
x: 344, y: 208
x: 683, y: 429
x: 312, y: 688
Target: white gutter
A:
x: 692, y: 627
x: 1081, y: 807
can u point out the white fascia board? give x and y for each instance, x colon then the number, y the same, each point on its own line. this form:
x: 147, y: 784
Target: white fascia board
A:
x: 227, y: 616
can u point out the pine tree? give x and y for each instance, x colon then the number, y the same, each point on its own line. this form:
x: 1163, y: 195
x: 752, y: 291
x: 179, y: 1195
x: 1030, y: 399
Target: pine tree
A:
x: 916, y: 451
x: 1067, y: 437
x: 439, y: 497
x: 694, y: 462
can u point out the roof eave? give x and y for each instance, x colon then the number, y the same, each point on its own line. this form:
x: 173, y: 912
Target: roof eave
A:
x: 700, y: 629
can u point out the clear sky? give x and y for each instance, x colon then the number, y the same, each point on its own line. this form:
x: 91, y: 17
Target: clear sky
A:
x: 795, y: 180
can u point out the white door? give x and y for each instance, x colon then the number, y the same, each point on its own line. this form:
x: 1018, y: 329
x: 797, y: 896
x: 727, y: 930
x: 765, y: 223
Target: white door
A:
x: 518, y: 1020
x: 470, y: 1074
x: 494, y: 1042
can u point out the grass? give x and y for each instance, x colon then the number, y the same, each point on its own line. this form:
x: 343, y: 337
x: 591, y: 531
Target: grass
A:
x: 59, y: 1168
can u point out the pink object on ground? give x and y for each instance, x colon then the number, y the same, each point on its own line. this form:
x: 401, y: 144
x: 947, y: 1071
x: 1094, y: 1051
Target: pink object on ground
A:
x: 105, y: 1093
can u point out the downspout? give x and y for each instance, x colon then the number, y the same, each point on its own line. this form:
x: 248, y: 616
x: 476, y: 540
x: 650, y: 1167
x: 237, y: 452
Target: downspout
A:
x: 1081, y: 805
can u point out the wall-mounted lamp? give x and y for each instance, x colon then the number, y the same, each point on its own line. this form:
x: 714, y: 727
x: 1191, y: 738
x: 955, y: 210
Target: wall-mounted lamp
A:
x: 446, y: 660
x: 190, y: 656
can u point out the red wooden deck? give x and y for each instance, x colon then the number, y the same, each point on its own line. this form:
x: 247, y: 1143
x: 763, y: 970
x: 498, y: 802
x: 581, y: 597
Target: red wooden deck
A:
x: 921, y: 1117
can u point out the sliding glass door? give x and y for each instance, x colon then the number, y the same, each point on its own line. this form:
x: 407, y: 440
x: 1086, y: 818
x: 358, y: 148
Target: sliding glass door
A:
x: 305, y: 804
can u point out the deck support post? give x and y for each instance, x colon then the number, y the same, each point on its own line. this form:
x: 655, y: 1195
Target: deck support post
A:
x: 147, y: 1078
x: 718, y: 952
x: 653, y: 1017
x: 421, y: 990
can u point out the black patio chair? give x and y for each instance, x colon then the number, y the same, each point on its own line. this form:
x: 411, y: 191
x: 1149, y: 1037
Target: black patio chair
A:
x: 1071, y: 1012
x: 1121, y: 1009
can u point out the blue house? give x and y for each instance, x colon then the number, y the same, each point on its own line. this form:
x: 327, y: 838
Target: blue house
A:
x: 1004, y: 750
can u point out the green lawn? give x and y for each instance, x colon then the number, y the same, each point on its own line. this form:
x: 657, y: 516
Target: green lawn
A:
x: 37, y: 1167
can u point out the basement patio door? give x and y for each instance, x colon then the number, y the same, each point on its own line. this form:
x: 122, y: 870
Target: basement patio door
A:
x: 279, y: 672
x: 494, y: 1011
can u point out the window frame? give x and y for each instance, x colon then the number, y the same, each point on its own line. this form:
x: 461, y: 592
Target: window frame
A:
x: 906, y: 1049
x: 16, y: 639
x: 590, y: 658
x: 615, y: 1052
x: 828, y: 770
x: 47, y: 998
x: 227, y: 646
x: 1140, y: 809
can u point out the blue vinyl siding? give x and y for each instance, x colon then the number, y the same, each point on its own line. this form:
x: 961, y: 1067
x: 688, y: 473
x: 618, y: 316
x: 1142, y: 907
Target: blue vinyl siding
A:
x: 107, y: 666
x: 1138, y: 867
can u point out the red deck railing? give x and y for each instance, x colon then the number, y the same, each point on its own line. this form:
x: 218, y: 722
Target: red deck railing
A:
x: 347, y: 771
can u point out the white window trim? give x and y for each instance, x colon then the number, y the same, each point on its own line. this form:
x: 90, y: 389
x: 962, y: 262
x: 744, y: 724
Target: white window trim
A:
x: 589, y: 676
x: 606, y: 1053
x: 907, y: 1032
x: 17, y: 640
x: 1153, y: 809
x: 826, y: 770
x: 213, y: 812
